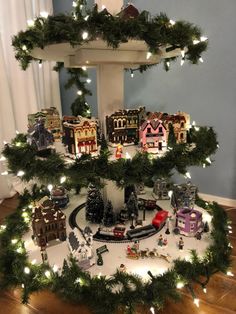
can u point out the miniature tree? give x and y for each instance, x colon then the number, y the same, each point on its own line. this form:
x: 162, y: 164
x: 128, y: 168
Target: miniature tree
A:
x: 206, y: 227
x: 104, y: 146
x: 94, y: 205
x: 171, y: 137
x: 132, y: 205
x: 109, y: 217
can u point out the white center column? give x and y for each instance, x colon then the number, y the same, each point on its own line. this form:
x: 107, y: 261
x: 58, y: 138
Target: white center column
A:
x: 110, y: 90
x: 110, y: 96
x: 110, y: 77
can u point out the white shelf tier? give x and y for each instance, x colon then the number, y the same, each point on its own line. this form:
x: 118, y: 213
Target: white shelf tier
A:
x: 97, y: 52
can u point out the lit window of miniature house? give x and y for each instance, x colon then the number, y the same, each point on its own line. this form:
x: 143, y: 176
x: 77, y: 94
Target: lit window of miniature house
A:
x: 189, y: 221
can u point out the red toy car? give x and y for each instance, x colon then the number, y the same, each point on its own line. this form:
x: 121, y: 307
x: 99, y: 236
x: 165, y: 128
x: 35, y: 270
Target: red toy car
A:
x: 160, y: 219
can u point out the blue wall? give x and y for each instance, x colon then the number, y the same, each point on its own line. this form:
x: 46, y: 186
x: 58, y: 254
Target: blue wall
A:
x: 206, y: 91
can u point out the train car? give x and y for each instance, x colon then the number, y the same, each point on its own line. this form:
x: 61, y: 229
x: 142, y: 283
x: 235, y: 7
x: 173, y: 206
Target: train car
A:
x: 119, y: 232
x: 116, y: 233
x: 160, y: 218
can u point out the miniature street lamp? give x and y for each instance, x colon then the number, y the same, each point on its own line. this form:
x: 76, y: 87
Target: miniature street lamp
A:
x: 132, y: 221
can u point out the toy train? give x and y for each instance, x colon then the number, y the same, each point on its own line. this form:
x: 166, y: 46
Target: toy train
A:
x: 118, y: 233
x: 157, y: 223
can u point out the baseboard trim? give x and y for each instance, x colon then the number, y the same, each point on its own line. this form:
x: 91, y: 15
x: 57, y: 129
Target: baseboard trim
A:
x: 221, y: 200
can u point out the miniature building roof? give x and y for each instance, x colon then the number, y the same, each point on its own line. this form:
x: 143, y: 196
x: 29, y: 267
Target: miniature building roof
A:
x: 167, y: 117
x: 125, y: 112
x: 47, y: 211
x: 154, y: 123
x: 130, y: 11
x: 74, y: 122
x: 188, y: 212
x: 58, y: 191
x: 50, y: 111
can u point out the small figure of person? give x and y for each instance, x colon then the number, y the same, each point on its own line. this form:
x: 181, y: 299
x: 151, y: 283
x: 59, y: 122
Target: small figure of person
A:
x: 119, y: 151
x: 167, y: 226
x: 160, y: 240
x: 165, y: 242
x: 136, y: 245
x: 181, y: 244
x: 122, y: 268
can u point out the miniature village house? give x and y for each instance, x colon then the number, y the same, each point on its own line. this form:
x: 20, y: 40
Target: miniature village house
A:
x: 123, y: 125
x: 189, y: 221
x: 39, y: 137
x: 184, y: 195
x: 59, y: 196
x: 160, y: 189
x: 153, y: 134
x: 52, y: 120
x: 80, y: 135
x: 48, y: 222
x: 180, y: 122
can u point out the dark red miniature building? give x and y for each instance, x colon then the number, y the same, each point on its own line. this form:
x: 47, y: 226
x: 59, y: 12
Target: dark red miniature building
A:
x: 48, y: 222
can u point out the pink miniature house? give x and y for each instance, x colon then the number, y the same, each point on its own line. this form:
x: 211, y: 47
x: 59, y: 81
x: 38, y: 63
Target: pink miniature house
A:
x: 189, y: 221
x: 152, y: 134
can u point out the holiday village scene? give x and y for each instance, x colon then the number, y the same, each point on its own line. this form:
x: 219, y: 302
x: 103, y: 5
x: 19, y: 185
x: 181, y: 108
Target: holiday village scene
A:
x: 98, y: 195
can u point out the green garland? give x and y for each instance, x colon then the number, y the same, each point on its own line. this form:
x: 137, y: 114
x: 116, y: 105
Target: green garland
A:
x: 141, y: 168
x: 103, y: 294
x: 114, y: 30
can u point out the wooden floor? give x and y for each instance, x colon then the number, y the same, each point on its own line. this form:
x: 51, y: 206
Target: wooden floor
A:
x: 220, y: 297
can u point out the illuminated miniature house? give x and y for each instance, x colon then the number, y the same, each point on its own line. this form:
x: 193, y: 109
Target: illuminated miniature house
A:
x: 39, y: 137
x: 51, y: 119
x: 161, y: 189
x: 80, y: 135
x: 180, y: 122
x: 59, y: 196
x: 184, y: 195
x: 123, y: 125
x: 48, y: 222
x: 153, y: 134
x: 189, y: 221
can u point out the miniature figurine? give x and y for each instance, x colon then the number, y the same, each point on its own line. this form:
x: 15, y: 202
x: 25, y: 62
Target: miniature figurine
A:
x: 181, y: 244
x: 160, y: 240
x: 83, y: 251
x: 167, y: 226
x: 122, y: 268
x: 119, y: 151
x: 165, y: 242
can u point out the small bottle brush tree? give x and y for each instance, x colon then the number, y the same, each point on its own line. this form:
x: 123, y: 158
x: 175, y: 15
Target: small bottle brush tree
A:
x: 94, y: 205
x: 109, y: 217
x: 171, y: 137
x: 132, y: 205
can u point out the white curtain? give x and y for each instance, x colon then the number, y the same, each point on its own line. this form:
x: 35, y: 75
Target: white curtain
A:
x: 21, y: 92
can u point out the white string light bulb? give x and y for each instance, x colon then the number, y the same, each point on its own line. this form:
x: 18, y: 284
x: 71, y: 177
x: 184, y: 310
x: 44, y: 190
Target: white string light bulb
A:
x: 196, y: 302
x: 30, y: 23
x: 149, y: 54
x: 44, y: 14
x: 79, y: 92
x: 27, y: 270
x: 85, y: 35
x: 50, y: 187
x: 20, y: 173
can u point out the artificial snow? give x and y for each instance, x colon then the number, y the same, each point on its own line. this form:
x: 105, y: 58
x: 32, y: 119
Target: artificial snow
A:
x: 57, y: 251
